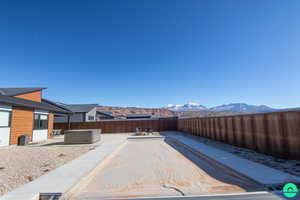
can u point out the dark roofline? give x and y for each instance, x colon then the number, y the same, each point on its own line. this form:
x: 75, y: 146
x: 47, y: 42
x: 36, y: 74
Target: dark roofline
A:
x: 139, y: 115
x: 23, y: 92
x: 80, y: 108
x: 14, y: 101
x: 105, y: 113
x: 83, y: 104
x: 57, y: 105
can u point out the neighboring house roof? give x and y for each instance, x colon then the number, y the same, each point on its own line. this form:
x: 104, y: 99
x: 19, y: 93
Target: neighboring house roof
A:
x: 51, y: 103
x: 138, y: 115
x: 44, y: 105
x: 18, y: 91
x: 108, y: 114
x: 78, y: 108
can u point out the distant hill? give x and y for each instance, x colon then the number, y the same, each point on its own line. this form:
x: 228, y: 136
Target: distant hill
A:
x: 187, y: 110
x: 121, y: 112
x: 242, y: 108
x: 203, y: 113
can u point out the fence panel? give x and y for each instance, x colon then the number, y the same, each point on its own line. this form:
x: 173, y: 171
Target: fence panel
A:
x: 222, y: 129
x: 293, y: 134
x: 276, y: 133
x: 229, y: 131
x: 261, y: 133
x: 248, y: 132
x: 275, y: 147
x: 122, y: 126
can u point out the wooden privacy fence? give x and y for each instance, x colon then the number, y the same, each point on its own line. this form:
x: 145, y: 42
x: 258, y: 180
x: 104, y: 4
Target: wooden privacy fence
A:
x: 123, y: 126
x: 277, y: 133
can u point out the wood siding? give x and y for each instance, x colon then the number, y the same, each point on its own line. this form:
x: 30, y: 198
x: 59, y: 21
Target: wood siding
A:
x: 21, y: 123
x: 32, y: 96
x: 50, y: 125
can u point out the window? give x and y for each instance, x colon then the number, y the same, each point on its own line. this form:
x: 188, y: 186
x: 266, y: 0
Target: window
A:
x: 5, y: 118
x: 91, y: 117
x: 40, y: 121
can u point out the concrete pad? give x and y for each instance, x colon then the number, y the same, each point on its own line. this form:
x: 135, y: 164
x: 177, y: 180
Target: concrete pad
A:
x: 145, y: 137
x: 64, y: 178
x: 153, y: 168
x: 260, y: 173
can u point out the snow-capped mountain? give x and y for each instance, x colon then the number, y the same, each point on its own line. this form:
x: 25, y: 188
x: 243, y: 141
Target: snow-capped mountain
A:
x: 241, y: 108
x: 172, y: 106
x: 191, y: 106
x: 232, y: 107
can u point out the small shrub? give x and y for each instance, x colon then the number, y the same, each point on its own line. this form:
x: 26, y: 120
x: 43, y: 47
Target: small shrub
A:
x: 29, y: 178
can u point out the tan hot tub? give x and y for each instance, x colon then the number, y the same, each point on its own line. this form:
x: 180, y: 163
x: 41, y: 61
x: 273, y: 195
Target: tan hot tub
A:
x: 89, y: 136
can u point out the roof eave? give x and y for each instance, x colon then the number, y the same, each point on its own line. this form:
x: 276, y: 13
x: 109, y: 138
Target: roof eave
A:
x: 30, y: 91
x: 57, y: 105
x: 29, y: 104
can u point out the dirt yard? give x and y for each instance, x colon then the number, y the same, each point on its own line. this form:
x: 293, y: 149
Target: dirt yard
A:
x: 289, y: 166
x: 20, y: 165
x: 155, y: 168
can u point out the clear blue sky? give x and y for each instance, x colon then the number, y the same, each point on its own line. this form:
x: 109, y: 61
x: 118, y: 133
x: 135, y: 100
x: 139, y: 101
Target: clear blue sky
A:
x: 154, y: 52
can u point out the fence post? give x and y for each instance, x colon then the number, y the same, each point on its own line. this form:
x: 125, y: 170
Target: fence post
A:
x: 253, y: 131
x: 226, y: 130
x: 267, y: 132
x: 214, y: 128
x: 243, y: 142
x: 284, y: 136
x: 234, y: 131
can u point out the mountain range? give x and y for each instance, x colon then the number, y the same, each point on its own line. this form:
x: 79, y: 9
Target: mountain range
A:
x: 232, y: 107
x: 186, y: 107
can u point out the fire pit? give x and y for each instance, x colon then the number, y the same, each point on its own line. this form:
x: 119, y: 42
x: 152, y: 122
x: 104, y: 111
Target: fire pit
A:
x: 145, y: 134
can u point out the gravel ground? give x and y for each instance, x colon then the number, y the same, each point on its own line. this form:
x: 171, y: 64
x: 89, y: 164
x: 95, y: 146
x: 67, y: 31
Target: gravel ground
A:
x: 20, y: 165
x: 289, y: 166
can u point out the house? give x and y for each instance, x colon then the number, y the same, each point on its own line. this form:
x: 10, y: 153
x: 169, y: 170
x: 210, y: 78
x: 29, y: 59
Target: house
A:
x: 101, y: 115
x: 23, y: 111
x: 138, y: 116
x: 81, y: 113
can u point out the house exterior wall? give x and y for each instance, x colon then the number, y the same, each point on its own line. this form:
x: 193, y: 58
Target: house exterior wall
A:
x: 91, y: 113
x: 32, y: 96
x: 50, y: 124
x: 40, y: 134
x: 21, y: 123
x: 5, y: 124
x: 77, y: 117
